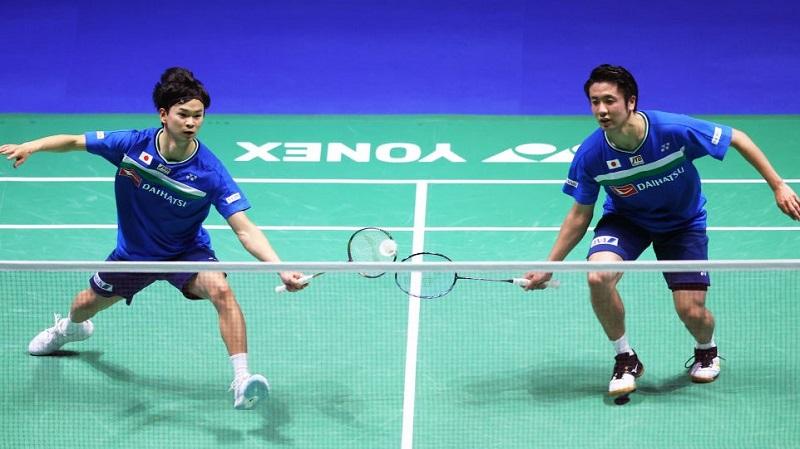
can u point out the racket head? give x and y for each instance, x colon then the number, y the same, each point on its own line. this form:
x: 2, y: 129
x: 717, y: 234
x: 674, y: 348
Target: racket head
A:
x: 364, y: 245
x: 432, y: 284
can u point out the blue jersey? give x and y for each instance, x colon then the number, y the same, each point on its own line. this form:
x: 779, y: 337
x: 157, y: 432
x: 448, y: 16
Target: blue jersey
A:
x: 655, y: 185
x: 161, y: 205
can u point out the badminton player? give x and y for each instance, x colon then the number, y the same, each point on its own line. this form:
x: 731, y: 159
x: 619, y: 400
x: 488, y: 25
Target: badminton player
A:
x: 643, y: 161
x: 166, y: 182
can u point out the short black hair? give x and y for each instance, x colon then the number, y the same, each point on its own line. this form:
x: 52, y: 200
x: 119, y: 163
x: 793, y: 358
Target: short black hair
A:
x: 614, y: 74
x: 177, y: 86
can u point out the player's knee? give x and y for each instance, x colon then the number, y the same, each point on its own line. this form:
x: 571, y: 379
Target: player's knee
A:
x: 220, y: 293
x: 691, y: 312
x: 601, y: 279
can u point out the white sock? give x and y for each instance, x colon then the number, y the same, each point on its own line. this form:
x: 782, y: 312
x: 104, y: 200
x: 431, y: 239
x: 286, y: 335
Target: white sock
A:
x: 621, y: 345
x: 709, y: 345
x: 71, y: 325
x: 239, y: 362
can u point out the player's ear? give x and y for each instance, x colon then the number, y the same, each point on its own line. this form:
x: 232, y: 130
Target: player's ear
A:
x: 632, y: 103
x: 162, y: 114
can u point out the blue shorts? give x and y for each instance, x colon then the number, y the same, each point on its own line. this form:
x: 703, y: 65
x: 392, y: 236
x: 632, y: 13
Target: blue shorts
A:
x: 621, y: 236
x: 128, y: 284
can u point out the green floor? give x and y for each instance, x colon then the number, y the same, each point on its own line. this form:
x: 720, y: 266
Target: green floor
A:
x: 495, y: 367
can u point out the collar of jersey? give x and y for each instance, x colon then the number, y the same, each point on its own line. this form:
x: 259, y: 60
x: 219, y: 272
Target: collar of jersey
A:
x: 158, y: 149
x: 644, y: 138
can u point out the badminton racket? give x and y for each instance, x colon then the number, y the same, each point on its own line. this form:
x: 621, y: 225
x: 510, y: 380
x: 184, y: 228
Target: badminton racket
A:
x: 435, y: 284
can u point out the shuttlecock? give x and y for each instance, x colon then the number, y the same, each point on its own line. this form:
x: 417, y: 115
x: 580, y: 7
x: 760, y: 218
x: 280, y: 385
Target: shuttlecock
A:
x: 388, y: 248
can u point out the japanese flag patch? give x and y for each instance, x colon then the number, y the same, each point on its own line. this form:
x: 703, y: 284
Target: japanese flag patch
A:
x: 146, y: 157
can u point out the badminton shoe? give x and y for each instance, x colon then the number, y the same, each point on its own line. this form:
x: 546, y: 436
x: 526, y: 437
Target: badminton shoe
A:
x: 248, y: 390
x: 706, y: 367
x: 53, y: 338
x: 626, y: 369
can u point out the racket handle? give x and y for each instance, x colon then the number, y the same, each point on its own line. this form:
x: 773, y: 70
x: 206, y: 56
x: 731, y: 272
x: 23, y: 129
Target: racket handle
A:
x: 303, y: 280
x: 522, y: 282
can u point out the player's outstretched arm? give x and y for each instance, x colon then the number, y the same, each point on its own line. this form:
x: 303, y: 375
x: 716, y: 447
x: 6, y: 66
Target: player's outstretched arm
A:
x: 785, y: 197
x: 572, y: 231
x: 256, y: 243
x: 61, y: 142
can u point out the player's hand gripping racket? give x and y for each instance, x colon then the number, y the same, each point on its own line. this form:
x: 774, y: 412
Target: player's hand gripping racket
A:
x: 435, y: 284
x: 365, y: 245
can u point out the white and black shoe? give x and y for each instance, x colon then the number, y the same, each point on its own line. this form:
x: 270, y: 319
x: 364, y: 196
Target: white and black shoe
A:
x: 706, y: 367
x: 626, y: 370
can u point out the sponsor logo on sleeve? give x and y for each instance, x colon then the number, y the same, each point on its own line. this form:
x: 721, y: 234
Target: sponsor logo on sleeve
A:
x: 230, y: 199
x: 146, y: 157
x: 613, y: 163
x: 605, y: 240
x: 100, y: 135
x: 571, y: 182
x: 717, y: 135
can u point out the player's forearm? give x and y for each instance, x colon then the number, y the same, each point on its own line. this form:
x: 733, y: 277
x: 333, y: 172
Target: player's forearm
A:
x: 572, y: 231
x: 755, y: 157
x: 256, y: 243
x: 567, y: 239
x: 57, y: 143
x: 251, y: 238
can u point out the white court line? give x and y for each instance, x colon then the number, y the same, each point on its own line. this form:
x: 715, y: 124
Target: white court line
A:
x: 412, y: 336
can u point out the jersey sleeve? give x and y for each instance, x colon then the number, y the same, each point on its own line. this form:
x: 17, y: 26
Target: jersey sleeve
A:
x: 111, y: 145
x: 228, y: 198
x: 707, y: 138
x: 579, y: 184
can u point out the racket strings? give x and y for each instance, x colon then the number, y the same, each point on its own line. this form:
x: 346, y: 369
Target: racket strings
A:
x: 430, y: 284
x: 364, y: 246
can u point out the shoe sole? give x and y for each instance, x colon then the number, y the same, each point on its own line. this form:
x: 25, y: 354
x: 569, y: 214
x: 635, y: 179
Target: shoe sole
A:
x: 254, y: 393
x: 703, y: 380
x: 622, y: 392
x: 54, y: 350
x: 625, y: 391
